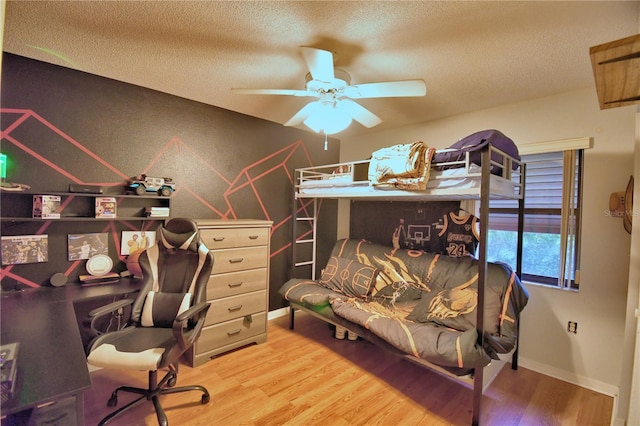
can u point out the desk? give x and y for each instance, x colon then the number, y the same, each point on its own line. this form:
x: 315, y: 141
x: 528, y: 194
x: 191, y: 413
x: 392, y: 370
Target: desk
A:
x: 51, y: 361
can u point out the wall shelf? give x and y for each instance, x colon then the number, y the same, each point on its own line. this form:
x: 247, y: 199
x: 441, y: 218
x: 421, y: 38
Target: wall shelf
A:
x: 80, y: 207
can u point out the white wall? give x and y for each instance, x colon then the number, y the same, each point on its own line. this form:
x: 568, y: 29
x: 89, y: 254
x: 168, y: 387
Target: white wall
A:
x: 592, y: 357
x: 632, y: 332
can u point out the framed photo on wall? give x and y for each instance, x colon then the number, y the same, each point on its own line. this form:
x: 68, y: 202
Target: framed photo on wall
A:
x: 83, y: 246
x: 133, y: 241
x: 25, y: 249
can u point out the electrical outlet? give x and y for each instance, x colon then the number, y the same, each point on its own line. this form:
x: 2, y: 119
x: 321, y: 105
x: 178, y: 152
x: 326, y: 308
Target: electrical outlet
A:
x: 572, y: 327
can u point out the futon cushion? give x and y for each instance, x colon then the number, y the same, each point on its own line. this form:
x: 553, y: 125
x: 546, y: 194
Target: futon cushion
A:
x: 450, y: 307
x: 160, y: 309
x: 398, y: 292
x: 348, y: 277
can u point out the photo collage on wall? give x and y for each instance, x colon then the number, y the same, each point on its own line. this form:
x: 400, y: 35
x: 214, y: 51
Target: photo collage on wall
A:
x: 25, y: 249
x: 134, y: 241
x: 19, y: 249
x: 83, y: 246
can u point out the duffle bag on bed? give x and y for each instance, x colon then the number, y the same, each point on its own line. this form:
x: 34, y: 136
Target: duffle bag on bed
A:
x: 473, y: 144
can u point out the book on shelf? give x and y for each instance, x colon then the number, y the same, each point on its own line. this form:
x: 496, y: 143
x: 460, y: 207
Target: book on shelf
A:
x: 109, y: 278
x: 156, y: 211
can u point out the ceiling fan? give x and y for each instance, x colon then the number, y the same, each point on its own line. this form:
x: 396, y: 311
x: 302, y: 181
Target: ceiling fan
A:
x: 335, y: 108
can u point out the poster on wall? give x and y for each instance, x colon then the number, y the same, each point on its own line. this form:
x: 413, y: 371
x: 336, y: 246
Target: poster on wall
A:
x: 25, y: 249
x: 83, y: 246
x: 133, y: 241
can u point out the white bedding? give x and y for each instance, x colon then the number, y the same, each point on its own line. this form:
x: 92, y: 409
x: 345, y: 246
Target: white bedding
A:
x: 441, y: 183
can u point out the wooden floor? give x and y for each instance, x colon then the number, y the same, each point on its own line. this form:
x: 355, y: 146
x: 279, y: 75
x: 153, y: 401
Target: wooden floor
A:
x: 306, y: 377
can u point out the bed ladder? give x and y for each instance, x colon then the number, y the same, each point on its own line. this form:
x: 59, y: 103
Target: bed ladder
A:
x: 309, y: 216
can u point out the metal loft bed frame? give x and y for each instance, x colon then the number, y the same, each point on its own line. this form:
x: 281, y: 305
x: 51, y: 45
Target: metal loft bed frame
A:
x: 483, y: 192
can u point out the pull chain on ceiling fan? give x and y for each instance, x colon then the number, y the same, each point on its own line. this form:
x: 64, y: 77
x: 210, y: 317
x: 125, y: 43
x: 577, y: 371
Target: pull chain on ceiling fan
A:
x: 335, y: 108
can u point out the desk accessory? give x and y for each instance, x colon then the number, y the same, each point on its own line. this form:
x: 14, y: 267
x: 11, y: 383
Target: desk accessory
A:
x: 58, y: 279
x: 99, y: 269
x: 85, y: 189
x: 99, y: 265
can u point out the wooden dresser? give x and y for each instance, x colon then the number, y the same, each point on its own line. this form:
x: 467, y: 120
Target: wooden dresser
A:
x: 238, y: 288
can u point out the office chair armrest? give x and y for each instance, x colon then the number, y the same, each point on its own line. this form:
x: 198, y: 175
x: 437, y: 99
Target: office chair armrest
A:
x: 96, y: 314
x: 196, y: 315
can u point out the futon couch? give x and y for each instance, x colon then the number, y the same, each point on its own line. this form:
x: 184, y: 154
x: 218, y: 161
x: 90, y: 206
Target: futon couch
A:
x: 416, y: 303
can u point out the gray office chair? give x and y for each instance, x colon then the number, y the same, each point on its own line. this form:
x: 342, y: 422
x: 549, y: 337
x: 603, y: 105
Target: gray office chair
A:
x: 166, y: 317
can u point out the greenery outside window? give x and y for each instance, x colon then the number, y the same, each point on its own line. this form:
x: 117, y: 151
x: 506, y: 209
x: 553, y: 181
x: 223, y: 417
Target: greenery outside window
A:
x: 553, y: 196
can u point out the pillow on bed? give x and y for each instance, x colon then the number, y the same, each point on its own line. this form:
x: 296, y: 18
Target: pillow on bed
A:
x: 348, y: 277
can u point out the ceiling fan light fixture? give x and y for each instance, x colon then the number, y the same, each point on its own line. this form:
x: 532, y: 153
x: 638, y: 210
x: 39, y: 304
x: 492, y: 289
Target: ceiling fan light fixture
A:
x: 335, y: 108
x: 328, y: 117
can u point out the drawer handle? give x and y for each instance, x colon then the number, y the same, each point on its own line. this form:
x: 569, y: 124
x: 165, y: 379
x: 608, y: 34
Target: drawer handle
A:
x: 233, y: 332
x: 254, y: 237
x: 234, y: 285
x: 236, y: 260
x: 218, y: 239
x: 234, y: 308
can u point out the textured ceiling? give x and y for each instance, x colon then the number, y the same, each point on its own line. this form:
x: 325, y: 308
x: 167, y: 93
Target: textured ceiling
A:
x: 472, y: 54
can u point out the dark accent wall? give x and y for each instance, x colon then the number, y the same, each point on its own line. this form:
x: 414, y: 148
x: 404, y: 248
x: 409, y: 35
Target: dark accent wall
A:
x: 405, y: 224
x: 61, y: 126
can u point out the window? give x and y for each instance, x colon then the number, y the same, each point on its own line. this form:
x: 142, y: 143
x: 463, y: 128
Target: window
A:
x: 551, y: 239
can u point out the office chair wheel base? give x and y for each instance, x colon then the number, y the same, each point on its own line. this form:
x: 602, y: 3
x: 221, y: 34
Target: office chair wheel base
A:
x: 113, y: 401
x: 172, y: 381
x: 206, y: 399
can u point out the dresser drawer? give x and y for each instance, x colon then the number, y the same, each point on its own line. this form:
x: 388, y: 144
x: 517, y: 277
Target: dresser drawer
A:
x: 233, y: 283
x: 236, y: 306
x: 234, y: 237
x: 231, y: 260
x: 230, y: 332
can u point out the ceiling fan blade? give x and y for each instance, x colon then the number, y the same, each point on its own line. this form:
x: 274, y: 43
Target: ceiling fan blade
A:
x: 302, y: 115
x: 389, y: 89
x: 361, y: 114
x: 288, y: 92
x: 320, y: 63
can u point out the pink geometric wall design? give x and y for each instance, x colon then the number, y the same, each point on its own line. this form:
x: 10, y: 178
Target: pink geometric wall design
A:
x: 244, y: 184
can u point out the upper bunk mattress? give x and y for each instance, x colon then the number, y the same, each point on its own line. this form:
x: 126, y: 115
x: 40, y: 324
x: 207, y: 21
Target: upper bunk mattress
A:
x: 460, y: 181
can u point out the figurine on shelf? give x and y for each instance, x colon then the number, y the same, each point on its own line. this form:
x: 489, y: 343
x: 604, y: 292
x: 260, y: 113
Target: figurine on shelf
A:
x: 144, y: 184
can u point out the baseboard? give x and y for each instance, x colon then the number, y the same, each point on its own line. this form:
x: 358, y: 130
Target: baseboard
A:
x: 578, y: 380
x: 619, y: 422
x: 567, y: 376
x: 278, y: 313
